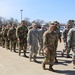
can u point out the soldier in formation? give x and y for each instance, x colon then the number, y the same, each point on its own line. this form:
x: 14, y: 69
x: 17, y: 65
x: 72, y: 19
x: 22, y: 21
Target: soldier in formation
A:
x: 21, y: 33
x: 71, y: 43
x: 64, y: 37
x: 41, y: 32
x: 59, y: 37
x: 33, y: 42
x: 12, y: 37
x: 49, y: 40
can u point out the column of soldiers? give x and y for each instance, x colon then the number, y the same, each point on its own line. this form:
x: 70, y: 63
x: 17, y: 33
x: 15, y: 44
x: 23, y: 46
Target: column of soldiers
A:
x: 38, y: 41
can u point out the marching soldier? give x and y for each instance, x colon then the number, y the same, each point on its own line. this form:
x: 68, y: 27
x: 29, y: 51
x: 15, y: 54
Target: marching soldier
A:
x: 41, y: 32
x: 49, y: 40
x: 58, y: 35
x: 64, y: 37
x: 21, y: 33
x: 71, y: 43
x: 33, y: 42
x: 5, y: 34
x: 12, y: 37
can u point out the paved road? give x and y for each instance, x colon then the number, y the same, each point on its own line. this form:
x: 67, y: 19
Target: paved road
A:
x: 12, y: 64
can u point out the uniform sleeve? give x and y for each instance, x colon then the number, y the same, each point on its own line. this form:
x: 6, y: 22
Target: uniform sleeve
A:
x: 69, y: 37
x: 17, y: 34
x: 63, y: 34
x: 29, y: 37
x: 45, y: 39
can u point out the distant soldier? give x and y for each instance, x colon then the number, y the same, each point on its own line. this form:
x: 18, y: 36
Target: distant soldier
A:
x: 58, y: 35
x: 49, y: 40
x: 12, y: 37
x: 3, y: 40
x: 21, y: 33
x: 64, y: 37
x: 33, y: 42
x: 71, y: 42
x: 5, y: 34
x: 41, y: 32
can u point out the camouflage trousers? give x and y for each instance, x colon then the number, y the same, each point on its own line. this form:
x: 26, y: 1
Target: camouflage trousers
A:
x: 0, y: 41
x: 41, y: 48
x: 3, y: 42
x: 73, y: 55
x: 66, y: 49
x: 7, y: 43
x: 50, y: 56
x: 13, y: 44
x: 22, y: 44
x: 33, y: 50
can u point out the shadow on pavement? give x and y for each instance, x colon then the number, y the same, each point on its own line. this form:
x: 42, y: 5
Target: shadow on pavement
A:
x: 66, y: 72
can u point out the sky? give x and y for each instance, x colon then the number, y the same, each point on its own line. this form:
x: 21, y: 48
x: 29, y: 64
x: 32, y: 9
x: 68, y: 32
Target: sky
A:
x: 47, y: 10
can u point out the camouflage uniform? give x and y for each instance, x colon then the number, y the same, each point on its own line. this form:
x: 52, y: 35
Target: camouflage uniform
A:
x: 59, y: 38
x: 71, y: 43
x: 5, y: 35
x: 49, y: 39
x: 3, y: 40
x: 33, y: 42
x: 41, y: 32
x: 64, y: 37
x: 21, y: 33
x: 12, y: 37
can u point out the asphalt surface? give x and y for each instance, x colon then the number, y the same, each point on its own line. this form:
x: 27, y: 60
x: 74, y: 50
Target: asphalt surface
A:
x: 13, y: 64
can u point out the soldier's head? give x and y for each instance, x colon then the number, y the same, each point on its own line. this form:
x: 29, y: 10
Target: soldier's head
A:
x: 51, y: 26
x: 74, y: 24
x: 67, y: 26
x: 7, y: 26
x: 55, y: 23
x: 23, y: 23
x: 13, y: 25
x: 34, y: 25
x: 43, y: 26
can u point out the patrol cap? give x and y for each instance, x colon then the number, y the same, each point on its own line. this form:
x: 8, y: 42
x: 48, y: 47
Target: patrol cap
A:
x: 51, y: 24
x: 33, y: 24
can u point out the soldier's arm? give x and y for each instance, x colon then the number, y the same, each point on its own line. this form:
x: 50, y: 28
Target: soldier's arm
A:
x: 59, y: 36
x: 69, y: 38
x: 17, y: 32
x: 29, y: 37
x: 63, y: 35
x: 45, y: 38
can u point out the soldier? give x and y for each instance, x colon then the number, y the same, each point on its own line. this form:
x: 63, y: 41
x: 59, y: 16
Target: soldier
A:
x: 5, y: 35
x: 21, y: 33
x: 71, y: 42
x: 33, y: 42
x: 41, y: 32
x: 12, y: 37
x: 58, y: 35
x: 3, y: 40
x: 64, y: 37
x: 49, y: 39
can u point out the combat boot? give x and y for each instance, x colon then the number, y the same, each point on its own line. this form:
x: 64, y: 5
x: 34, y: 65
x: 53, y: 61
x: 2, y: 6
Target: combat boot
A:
x: 43, y: 66
x: 56, y: 61
x: 19, y: 52
x: 34, y: 58
x: 68, y: 56
x: 50, y: 68
x: 30, y: 58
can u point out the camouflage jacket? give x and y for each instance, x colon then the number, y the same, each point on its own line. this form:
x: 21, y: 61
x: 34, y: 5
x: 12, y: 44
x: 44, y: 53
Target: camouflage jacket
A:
x: 12, y: 34
x: 21, y: 32
x: 49, y: 39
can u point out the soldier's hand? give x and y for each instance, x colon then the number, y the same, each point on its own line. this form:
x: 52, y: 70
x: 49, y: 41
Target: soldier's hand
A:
x: 18, y: 39
x: 60, y: 40
x: 46, y: 49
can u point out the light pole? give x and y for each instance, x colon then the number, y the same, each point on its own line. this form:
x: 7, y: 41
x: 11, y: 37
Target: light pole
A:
x: 21, y: 14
